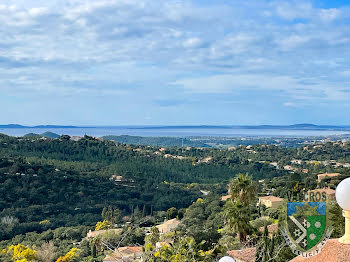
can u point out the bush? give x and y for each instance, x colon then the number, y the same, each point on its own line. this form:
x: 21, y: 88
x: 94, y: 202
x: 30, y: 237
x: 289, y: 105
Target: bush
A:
x: 261, y: 222
x: 272, y: 212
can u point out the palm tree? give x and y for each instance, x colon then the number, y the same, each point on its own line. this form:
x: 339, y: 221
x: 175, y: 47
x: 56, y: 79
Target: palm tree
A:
x: 243, y: 188
x: 237, y: 217
x: 237, y: 210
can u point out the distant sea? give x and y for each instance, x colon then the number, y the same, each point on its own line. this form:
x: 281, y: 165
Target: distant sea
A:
x: 173, y: 131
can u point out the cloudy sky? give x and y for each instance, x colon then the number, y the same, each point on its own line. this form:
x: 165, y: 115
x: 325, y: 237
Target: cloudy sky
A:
x: 173, y: 62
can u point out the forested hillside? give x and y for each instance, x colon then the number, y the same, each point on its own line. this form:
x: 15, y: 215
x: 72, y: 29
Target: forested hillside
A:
x: 69, y: 182
x: 56, y: 189
x: 99, y: 157
x: 155, y: 141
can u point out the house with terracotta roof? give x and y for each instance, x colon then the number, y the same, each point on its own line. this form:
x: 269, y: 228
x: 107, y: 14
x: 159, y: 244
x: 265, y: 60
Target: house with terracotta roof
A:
x: 333, y: 251
x: 243, y: 255
x: 288, y: 167
x: 325, y: 175
x: 168, y: 226
x: 272, y: 229
x: 271, y: 201
x: 124, y: 254
x: 329, y: 192
x: 116, y: 178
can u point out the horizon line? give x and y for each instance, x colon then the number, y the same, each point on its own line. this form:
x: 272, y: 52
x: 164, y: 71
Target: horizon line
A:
x: 164, y: 125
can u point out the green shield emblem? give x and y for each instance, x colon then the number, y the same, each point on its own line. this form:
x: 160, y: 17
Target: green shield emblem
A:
x: 306, y: 223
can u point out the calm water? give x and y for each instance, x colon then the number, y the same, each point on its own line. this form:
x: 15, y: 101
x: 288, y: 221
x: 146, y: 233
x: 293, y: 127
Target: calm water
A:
x: 175, y: 132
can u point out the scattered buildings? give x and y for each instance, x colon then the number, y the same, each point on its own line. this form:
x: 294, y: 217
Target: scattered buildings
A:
x: 296, y: 161
x: 120, y: 180
x: 271, y: 201
x: 172, y: 156
x: 75, y: 138
x: 205, y: 160
x: 333, y: 163
x: 116, y: 178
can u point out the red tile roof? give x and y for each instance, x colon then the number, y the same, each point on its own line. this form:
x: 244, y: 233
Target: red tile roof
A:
x: 246, y: 255
x: 224, y: 198
x: 272, y: 198
x: 134, y: 249
x: 270, y: 228
x: 333, y: 251
x: 328, y: 191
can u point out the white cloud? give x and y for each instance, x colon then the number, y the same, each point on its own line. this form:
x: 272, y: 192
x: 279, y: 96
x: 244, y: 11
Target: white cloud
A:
x: 64, y: 37
x: 192, y: 42
x: 129, y: 50
x: 329, y: 15
x: 300, y: 89
x: 345, y: 73
x: 289, y: 104
x: 294, y: 9
x: 88, y: 7
x: 231, y: 83
x: 37, y: 11
x: 292, y: 41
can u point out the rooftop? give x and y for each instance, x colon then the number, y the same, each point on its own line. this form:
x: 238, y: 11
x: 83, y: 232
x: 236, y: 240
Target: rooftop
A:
x: 224, y: 198
x: 168, y: 225
x: 270, y: 228
x: 246, y: 255
x: 328, y: 190
x: 333, y: 251
x: 272, y: 198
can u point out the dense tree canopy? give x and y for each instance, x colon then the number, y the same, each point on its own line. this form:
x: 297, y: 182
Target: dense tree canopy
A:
x: 52, y: 191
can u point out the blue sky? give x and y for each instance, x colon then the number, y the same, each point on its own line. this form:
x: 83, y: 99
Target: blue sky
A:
x: 141, y: 62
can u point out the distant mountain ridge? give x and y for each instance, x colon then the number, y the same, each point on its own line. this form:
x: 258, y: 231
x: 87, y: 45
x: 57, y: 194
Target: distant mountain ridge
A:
x: 47, y: 134
x: 286, y: 127
x: 39, y: 126
x: 304, y: 126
